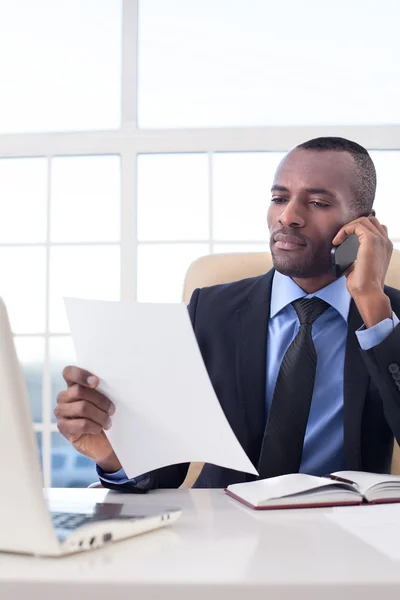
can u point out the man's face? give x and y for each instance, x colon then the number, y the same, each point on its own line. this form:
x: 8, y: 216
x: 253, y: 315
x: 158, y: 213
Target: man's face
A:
x: 312, y: 198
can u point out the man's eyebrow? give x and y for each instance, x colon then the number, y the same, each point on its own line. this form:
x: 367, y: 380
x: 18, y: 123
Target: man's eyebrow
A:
x: 279, y: 188
x: 320, y: 191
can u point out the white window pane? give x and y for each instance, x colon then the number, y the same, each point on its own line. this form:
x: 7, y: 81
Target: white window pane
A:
x: 173, y: 197
x: 30, y: 352
x: 22, y: 286
x: 23, y: 199
x: 162, y: 269
x: 386, y: 204
x: 83, y: 272
x: 60, y: 65
x: 253, y: 62
x: 62, y: 354
x: 68, y: 467
x: 241, y: 194
x: 85, y: 199
x: 230, y: 248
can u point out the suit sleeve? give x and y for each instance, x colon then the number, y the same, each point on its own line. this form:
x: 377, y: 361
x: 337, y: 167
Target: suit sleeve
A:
x: 167, y: 477
x: 383, y: 364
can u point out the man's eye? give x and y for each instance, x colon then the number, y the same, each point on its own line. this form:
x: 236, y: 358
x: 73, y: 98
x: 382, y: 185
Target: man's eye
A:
x: 278, y: 200
x: 320, y: 204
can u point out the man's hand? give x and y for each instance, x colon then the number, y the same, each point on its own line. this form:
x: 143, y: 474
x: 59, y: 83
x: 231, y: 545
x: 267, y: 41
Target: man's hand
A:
x: 82, y: 414
x: 366, y: 277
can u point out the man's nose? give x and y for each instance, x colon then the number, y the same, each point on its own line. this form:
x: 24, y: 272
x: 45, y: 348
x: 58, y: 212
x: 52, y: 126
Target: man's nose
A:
x: 292, y: 216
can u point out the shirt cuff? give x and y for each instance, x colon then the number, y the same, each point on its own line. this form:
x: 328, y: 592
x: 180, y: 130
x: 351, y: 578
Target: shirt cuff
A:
x: 120, y: 477
x: 368, y: 338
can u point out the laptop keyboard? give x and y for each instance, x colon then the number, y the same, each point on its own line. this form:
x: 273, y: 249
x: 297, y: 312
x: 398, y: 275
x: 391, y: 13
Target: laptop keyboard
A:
x: 71, y: 521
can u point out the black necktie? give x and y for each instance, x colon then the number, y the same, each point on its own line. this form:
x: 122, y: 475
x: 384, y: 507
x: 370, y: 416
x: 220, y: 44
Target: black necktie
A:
x: 282, y: 445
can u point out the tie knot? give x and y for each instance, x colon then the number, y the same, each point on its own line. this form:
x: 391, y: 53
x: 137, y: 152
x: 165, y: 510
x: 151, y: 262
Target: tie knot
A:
x: 309, y: 309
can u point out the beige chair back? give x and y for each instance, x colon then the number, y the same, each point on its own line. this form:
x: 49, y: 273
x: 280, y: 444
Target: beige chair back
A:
x: 224, y: 268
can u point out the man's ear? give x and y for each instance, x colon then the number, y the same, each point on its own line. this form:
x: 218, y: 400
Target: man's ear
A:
x: 372, y: 213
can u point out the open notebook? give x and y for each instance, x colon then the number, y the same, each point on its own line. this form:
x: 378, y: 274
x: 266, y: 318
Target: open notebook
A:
x: 299, y: 490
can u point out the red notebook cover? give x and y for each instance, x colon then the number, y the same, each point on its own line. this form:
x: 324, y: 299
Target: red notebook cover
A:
x: 284, y: 506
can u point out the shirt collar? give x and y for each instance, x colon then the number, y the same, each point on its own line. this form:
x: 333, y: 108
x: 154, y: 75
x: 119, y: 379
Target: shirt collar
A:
x: 285, y: 291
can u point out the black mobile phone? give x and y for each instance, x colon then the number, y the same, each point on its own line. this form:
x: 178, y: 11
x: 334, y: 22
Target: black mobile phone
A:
x: 343, y: 256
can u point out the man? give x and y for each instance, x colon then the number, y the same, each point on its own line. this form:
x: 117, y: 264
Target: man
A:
x: 305, y: 366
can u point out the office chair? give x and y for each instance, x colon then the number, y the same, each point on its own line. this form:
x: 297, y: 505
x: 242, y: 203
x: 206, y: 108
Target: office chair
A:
x: 224, y: 268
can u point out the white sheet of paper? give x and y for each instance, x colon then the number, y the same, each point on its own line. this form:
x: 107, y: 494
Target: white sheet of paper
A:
x: 150, y: 366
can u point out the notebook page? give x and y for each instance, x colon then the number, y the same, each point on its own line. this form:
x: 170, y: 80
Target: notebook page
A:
x: 366, y: 481
x: 258, y: 492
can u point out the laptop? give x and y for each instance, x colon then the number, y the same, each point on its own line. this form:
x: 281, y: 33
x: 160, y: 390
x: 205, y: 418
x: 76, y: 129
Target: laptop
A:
x: 27, y: 524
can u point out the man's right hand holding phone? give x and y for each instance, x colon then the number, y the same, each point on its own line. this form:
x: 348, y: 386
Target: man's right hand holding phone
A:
x: 82, y: 414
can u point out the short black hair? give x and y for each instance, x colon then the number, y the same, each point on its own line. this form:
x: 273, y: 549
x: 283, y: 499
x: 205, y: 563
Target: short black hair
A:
x: 365, y: 183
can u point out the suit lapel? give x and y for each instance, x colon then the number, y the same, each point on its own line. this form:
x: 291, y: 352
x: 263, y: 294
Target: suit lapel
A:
x: 251, y: 345
x: 355, y: 385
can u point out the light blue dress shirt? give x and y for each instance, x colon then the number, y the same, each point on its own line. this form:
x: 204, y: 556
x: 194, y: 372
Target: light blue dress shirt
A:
x: 323, y: 450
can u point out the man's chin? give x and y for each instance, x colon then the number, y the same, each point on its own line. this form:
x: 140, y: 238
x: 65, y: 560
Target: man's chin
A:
x: 298, y: 269
x: 293, y: 272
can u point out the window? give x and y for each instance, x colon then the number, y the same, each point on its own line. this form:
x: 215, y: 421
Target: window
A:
x: 387, y: 165
x: 218, y: 63
x: 58, y: 461
x: 68, y: 244
x: 82, y: 462
x: 167, y: 121
x: 68, y: 467
x: 61, y: 65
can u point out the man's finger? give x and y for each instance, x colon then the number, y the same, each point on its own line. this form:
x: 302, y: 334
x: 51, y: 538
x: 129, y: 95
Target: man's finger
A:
x: 356, y: 227
x: 74, y: 375
x: 344, y: 232
x: 78, y: 392
x: 381, y: 228
x: 82, y: 410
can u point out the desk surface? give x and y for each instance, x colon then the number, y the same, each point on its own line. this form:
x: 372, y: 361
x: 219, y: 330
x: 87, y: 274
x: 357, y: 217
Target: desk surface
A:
x: 220, y: 549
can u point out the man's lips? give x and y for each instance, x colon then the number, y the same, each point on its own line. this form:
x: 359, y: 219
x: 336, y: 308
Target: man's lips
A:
x: 286, y: 241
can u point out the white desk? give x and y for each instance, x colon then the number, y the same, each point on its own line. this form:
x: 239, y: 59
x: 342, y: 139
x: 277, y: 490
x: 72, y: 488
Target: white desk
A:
x: 219, y: 549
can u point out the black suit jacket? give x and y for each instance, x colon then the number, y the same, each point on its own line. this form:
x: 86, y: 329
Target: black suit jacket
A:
x: 231, y: 326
